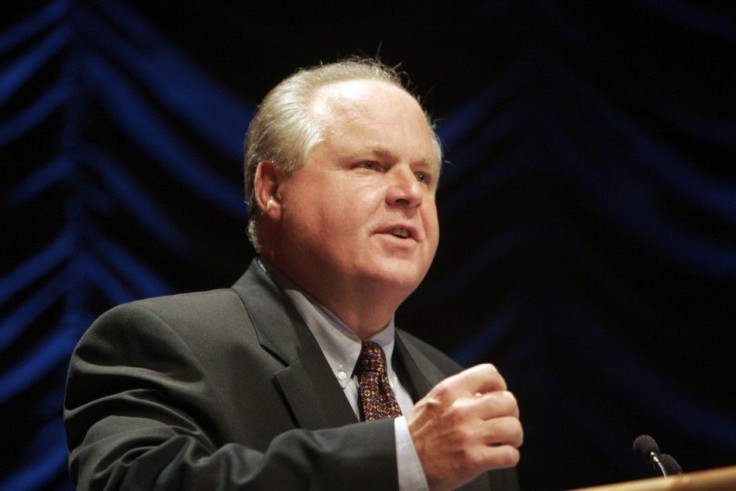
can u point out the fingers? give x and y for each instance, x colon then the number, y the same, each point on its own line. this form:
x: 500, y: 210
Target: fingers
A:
x: 483, y: 406
x: 498, y: 456
x: 504, y: 431
x: 496, y: 404
x: 475, y: 380
x: 493, y: 417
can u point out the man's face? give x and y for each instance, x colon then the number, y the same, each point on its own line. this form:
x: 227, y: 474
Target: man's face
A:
x: 361, y: 210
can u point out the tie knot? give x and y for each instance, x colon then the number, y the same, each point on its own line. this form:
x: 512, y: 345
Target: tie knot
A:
x: 371, y: 359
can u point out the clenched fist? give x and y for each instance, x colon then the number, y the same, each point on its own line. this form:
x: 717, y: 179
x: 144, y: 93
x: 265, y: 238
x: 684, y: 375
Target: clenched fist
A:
x: 466, y: 425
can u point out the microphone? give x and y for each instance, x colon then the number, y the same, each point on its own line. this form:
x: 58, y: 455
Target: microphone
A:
x: 670, y: 464
x: 647, y: 448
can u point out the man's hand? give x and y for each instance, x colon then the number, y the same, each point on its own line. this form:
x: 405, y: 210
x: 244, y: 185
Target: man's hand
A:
x: 466, y: 425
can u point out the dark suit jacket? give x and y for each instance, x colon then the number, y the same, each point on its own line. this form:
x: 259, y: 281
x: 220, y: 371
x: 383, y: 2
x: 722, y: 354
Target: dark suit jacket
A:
x: 227, y: 389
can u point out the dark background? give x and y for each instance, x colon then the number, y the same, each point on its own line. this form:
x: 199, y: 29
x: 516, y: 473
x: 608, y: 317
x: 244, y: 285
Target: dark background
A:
x: 588, y: 206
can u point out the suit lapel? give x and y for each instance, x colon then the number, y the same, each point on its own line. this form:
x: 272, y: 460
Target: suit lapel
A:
x: 309, y: 387
x: 416, y: 371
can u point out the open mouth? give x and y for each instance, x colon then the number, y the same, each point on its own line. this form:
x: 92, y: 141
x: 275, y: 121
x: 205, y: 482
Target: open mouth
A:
x: 400, y: 232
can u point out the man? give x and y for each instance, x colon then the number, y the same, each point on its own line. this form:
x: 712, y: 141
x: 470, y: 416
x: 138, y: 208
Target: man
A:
x: 265, y: 385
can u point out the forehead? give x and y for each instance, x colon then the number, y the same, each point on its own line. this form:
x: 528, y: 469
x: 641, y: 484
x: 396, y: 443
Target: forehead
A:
x: 372, y: 112
x: 347, y: 93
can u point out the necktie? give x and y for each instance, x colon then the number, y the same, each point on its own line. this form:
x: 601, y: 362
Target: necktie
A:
x: 376, y: 399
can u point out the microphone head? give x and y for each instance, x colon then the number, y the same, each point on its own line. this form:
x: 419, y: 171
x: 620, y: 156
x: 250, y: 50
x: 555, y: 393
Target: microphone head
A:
x: 670, y: 464
x: 644, y: 445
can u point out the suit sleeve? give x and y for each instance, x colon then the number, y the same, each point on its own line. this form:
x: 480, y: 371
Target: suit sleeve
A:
x: 135, y: 419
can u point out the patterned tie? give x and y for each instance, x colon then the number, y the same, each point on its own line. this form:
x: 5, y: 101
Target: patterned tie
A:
x: 375, y: 397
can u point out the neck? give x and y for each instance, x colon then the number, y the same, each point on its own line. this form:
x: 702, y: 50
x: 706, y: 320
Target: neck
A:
x: 364, y: 317
x: 365, y: 310
x: 364, y: 307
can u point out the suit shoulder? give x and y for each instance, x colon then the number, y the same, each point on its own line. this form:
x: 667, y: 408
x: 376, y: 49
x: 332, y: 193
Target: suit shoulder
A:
x: 193, y: 316
x: 182, y: 305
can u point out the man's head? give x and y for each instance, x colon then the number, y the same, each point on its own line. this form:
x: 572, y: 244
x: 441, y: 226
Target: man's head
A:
x: 284, y: 130
x: 346, y: 208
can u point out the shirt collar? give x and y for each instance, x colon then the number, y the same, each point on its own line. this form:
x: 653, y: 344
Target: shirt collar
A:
x: 340, y: 345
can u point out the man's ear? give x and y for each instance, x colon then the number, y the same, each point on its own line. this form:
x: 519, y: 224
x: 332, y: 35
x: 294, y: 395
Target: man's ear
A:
x: 268, y: 180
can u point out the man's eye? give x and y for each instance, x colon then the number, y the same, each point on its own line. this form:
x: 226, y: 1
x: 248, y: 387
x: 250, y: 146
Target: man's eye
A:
x: 422, y: 177
x: 368, y: 164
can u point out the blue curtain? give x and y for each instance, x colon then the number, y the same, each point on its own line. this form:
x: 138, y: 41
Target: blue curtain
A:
x: 588, y: 205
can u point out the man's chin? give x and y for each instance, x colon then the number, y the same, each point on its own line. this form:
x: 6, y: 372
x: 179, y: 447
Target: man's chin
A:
x: 402, y: 279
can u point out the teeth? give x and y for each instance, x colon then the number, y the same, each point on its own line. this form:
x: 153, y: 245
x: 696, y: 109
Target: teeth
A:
x: 400, y: 232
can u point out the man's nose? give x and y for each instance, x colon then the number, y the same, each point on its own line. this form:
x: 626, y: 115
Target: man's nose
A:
x: 404, y: 188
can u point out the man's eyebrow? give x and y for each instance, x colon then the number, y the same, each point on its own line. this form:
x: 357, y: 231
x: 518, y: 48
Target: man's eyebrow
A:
x: 383, y: 152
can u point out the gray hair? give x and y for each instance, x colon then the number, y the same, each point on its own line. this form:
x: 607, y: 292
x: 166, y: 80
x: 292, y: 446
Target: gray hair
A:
x: 284, y: 131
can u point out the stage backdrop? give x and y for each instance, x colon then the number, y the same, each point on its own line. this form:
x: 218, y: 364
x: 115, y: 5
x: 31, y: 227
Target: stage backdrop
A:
x: 588, y: 205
